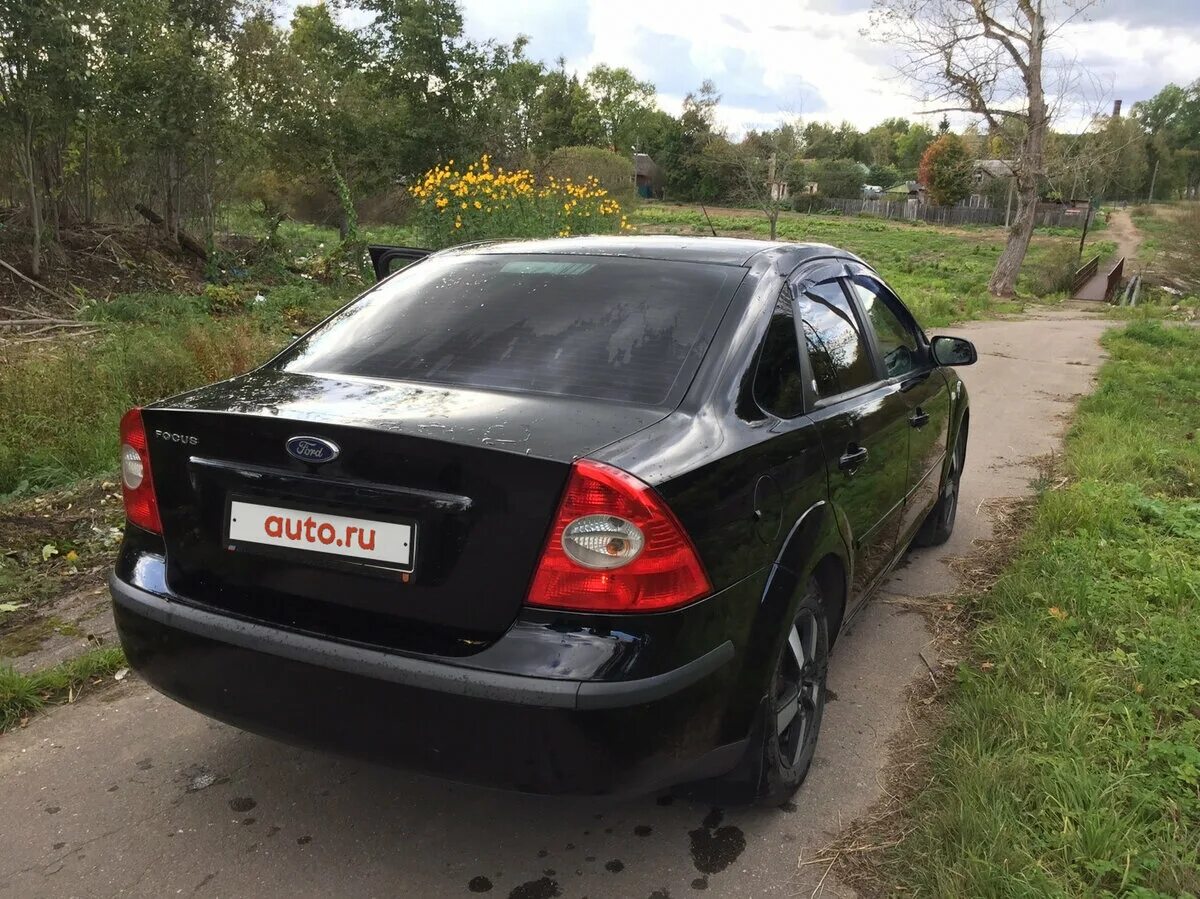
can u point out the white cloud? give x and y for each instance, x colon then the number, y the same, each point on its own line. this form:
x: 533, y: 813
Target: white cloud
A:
x: 774, y: 60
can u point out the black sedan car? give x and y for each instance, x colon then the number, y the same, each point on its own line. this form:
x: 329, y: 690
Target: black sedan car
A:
x: 579, y: 515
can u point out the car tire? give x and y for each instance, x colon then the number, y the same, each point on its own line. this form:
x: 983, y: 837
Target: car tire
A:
x: 939, y: 523
x: 787, y: 739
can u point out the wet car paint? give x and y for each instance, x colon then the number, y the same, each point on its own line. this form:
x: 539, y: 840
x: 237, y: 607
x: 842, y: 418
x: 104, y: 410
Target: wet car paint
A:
x: 724, y: 466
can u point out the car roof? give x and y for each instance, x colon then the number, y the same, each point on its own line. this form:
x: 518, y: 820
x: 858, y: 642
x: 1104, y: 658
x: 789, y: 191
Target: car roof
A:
x: 719, y: 250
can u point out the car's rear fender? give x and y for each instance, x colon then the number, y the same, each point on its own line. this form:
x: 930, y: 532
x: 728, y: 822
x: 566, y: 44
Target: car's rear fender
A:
x: 813, y: 547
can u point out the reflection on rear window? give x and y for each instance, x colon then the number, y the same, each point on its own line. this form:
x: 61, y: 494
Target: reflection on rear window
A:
x: 604, y: 327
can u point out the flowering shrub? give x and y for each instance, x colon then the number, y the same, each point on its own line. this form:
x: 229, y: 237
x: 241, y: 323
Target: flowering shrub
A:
x: 484, y: 202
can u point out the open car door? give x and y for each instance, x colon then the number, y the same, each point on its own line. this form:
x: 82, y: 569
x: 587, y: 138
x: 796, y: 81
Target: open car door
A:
x: 385, y: 259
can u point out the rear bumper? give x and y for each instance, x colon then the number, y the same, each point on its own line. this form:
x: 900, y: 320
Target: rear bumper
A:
x: 497, y: 728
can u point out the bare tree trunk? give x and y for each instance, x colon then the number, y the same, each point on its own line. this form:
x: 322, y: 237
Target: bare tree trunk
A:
x: 1003, y: 282
x: 210, y: 216
x: 87, y: 173
x: 35, y: 206
x: 1004, y: 278
x: 171, y: 221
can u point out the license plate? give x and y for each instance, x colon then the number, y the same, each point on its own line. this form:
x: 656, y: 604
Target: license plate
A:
x: 387, y: 543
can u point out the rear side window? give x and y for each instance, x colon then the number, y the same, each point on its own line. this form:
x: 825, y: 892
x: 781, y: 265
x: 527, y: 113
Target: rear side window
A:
x: 588, y: 326
x: 778, y: 384
x: 833, y: 336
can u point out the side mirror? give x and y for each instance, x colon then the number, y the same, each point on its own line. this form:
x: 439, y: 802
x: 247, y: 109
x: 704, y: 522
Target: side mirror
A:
x: 953, y: 351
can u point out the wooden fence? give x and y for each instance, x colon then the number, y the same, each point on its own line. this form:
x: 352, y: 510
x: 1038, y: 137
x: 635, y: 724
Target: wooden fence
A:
x: 1049, y: 215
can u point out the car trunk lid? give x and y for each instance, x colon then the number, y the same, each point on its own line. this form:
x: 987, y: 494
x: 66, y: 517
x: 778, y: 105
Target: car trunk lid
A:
x: 474, y: 476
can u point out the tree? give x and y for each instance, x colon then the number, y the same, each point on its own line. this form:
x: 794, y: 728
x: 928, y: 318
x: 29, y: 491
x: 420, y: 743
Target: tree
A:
x: 986, y: 58
x: 881, y: 141
x: 945, y: 170
x: 838, y: 177
x: 755, y: 168
x: 622, y: 103
x: 1108, y: 161
x: 910, y: 147
x: 1172, y: 118
x: 826, y: 142
x: 167, y: 90
x: 883, y: 176
x: 681, y: 152
x: 44, y: 54
x: 566, y: 115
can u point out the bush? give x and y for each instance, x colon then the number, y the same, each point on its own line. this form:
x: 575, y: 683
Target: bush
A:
x: 480, y: 203
x: 1054, y: 270
x: 578, y: 164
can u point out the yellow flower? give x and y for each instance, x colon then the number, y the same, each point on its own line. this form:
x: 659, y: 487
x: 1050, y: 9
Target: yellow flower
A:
x: 458, y: 223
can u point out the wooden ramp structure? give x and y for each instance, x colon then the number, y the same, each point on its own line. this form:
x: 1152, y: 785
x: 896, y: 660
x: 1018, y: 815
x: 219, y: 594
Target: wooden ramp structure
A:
x: 1096, y: 282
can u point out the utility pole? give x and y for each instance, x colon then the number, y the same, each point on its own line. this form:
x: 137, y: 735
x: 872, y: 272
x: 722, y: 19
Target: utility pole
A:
x: 1153, y: 178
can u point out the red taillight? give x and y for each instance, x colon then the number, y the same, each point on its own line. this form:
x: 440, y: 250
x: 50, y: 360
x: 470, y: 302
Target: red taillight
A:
x: 141, y: 506
x: 612, y: 567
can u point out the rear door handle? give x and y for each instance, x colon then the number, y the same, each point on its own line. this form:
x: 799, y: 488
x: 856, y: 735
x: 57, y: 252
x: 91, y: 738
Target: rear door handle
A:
x: 919, y: 418
x: 852, y: 459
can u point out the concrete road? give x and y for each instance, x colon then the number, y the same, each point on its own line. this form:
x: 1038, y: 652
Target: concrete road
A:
x: 129, y: 794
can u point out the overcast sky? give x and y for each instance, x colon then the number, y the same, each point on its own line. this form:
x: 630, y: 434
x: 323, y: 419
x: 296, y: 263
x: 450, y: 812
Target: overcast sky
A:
x: 773, y: 59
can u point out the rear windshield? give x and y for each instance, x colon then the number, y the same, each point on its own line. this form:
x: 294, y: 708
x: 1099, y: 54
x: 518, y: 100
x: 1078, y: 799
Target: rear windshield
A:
x: 588, y: 326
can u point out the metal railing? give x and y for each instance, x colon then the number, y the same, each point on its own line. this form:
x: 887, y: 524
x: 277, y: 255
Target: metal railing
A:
x: 1083, y: 275
x: 1114, y: 279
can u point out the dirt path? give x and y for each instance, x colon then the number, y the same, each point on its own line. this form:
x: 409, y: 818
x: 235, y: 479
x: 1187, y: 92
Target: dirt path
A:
x: 131, y: 794
x: 1122, y: 230
x: 1126, y: 234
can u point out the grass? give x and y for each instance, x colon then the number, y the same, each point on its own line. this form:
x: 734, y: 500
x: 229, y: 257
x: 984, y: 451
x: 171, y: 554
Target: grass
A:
x: 941, y: 273
x: 22, y: 695
x: 1069, y: 764
x: 62, y: 400
x: 1171, y: 240
x: 1169, y: 260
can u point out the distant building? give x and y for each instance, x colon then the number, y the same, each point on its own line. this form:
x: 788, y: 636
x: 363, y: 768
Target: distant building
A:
x: 906, y: 190
x: 993, y: 169
x: 647, y: 177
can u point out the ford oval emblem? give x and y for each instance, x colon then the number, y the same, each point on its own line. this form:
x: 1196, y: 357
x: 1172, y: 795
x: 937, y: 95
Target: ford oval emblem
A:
x: 312, y: 449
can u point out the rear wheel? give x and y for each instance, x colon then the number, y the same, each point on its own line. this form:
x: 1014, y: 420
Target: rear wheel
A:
x: 789, y: 734
x: 939, y: 523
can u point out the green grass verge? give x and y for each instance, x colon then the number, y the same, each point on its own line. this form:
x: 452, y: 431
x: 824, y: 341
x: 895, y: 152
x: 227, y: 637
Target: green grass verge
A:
x: 62, y: 401
x: 941, y: 273
x: 22, y: 695
x: 1070, y: 760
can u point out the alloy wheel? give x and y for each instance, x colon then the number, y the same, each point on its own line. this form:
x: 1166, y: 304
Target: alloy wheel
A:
x: 798, y: 688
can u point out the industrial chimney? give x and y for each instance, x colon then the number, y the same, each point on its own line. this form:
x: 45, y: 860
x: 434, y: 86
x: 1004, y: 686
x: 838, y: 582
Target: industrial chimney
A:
x: 1116, y: 109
